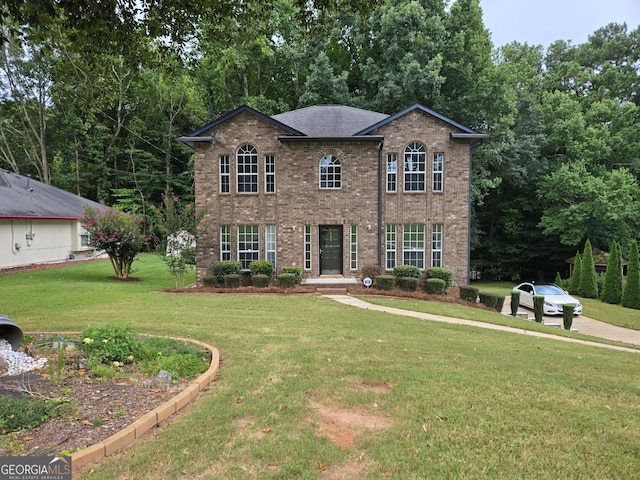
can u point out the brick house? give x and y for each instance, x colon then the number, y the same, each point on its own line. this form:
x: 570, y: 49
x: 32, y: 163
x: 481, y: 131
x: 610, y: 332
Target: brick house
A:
x: 334, y: 188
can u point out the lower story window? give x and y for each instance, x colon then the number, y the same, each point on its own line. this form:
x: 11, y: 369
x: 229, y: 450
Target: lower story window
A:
x: 248, y: 245
x: 270, y: 244
x: 307, y: 247
x: 225, y: 242
x: 391, y: 247
x: 353, y: 248
x: 436, y: 245
x: 413, y: 245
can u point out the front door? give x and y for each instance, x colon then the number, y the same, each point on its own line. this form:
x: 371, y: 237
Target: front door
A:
x: 330, y: 249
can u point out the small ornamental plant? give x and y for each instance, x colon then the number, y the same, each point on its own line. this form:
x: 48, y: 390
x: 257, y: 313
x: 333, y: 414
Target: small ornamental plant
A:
x: 538, y: 307
x: 567, y: 316
x: 515, y: 302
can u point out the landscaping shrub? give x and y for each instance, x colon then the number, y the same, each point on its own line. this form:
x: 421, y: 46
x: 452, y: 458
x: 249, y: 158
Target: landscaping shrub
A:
x: 371, y: 271
x: 567, y: 316
x: 499, y: 303
x: 293, y: 269
x: 109, y: 343
x: 436, y: 286
x: 588, y: 287
x: 226, y: 267
x: 400, y: 271
x: 261, y: 281
x: 515, y: 302
x: 441, y: 273
x: 22, y: 414
x: 574, y: 282
x: 612, y: 287
x: 231, y: 280
x: 385, y: 282
x: 489, y: 299
x: 261, y: 267
x: 631, y: 292
x: 209, y: 281
x: 287, y: 280
x: 470, y: 294
x: 538, y: 307
x: 181, y: 360
x: 410, y: 284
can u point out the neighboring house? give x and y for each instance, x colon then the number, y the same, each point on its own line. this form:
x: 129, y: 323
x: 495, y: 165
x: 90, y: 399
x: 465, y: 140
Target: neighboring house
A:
x: 333, y: 189
x: 39, y: 223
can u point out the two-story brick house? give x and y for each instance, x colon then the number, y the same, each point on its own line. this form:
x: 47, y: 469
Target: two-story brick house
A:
x: 334, y: 188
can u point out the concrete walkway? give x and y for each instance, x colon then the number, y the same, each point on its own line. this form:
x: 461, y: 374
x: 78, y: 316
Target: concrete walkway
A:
x: 584, y: 325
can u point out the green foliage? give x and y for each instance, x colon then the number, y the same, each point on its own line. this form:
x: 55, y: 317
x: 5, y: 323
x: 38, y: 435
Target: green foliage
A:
x: 109, y: 343
x: 409, y: 284
x: 22, y: 414
x: 567, y: 316
x: 492, y: 300
x: 118, y: 234
x: 210, y: 281
x: 385, y: 282
x: 371, y: 271
x: 558, y: 279
x: 631, y: 292
x: 588, y: 287
x: 538, y: 307
x: 470, y: 294
x: 441, y: 273
x: 287, y: 280
x: 435, y: 286
x: 400, y: 271
x: 259, y: 280
x: 612, y: 288
x: 515, y: 302
x: 180, y: 359
x: 232, y: 280
x: 574, y: 284
x: 226, y: 267
x: 293, y: 269
x: 261, y: 267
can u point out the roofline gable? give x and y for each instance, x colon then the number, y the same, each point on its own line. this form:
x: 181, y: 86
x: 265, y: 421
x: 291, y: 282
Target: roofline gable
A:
x: 423, y: 109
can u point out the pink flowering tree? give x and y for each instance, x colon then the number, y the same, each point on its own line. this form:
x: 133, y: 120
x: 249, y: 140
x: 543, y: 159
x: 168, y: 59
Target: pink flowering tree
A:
x: 118, y: 234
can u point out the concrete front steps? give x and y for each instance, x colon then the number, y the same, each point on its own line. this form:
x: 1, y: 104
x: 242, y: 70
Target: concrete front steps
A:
x: 330, y: 284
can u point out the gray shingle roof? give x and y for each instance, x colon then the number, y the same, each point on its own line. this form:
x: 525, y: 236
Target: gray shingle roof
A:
x: 330, y: 120
x: 21, y: 196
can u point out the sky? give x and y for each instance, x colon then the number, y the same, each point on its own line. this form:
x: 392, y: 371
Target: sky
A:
x: 542, y: 22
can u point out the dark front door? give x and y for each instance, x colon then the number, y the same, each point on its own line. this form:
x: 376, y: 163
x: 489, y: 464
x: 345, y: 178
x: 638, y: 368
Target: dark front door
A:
x: 330, y: 249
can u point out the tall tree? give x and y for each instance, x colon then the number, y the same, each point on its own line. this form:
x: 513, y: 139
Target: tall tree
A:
x: 631, y: 292
x: 612, y: 288
x: 588, y: 286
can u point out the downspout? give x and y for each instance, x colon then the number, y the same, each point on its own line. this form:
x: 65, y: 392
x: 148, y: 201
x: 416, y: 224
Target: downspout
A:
x: 380, y: 184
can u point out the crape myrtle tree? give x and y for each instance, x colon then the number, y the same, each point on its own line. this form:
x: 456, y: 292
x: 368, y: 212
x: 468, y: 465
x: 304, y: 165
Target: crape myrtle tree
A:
x: 117, y: 234
x: 612, y: 289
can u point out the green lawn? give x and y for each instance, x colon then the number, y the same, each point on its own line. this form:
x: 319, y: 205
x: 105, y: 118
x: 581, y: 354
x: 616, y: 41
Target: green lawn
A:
x: 452, y: 401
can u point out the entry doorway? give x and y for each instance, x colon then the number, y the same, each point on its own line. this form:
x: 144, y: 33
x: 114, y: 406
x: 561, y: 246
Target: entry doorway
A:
x: 330, y: 249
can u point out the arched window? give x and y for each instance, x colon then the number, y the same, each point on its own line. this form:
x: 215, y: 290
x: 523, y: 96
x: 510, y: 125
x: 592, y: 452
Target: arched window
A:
x: 330, y: 172
x: 414, y: 167
x: 247, y: 169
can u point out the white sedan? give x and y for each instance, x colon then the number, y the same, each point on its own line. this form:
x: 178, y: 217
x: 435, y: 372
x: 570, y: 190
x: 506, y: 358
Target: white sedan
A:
x: 554, y: 297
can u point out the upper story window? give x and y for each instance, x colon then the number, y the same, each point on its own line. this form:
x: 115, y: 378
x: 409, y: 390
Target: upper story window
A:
x: 269, y: 174
x: 225, y: 172
x: 438, y: 171
x: 247, y: 169
x: 414, y: 168
x: 330, y: 172
x: 392, y: 169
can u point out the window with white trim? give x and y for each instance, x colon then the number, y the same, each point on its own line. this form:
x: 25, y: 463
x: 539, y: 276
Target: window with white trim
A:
x: 270, y: 244
x: 225, y: 242
x: 392, y: 172
x: 248, y: 245
x: 307, y: 247
x: 390, y: 242
x: 269, y: 174
x: 438, y: 171
x: 413, y: 245
x: 330, y: 172
x: 247, y: 169
x: 353, y: 248
x: 414, y: 167
x: 436, y: 245
x: 225, y: 174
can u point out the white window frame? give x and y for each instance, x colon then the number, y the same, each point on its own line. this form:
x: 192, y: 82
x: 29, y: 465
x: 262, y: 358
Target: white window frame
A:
x: 269, y: 174
x: 415, y: 157
x: 248, y: 244
x: 307, y: 247
x: 353, y: 247
x: 225, y: 242
x: 247, y: 169
x: 392, y: 172
x: 225, y: 174
x: 330, y: 173
x: 391, y: 243
x: 436, y: 245
x: 413, y: 244
x: 270, y: 244
x: 437, y: 172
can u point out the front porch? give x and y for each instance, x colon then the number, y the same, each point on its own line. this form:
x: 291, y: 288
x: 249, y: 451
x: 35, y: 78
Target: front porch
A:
x: 330, y: 284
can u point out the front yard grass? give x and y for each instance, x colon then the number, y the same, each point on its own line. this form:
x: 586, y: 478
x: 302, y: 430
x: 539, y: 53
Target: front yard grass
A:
x: 457, y: 402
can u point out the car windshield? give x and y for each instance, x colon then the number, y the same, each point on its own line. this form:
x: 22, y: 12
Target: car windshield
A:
x: 549, y: 290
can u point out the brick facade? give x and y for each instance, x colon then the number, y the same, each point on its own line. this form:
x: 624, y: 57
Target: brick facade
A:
x: 299, y: 201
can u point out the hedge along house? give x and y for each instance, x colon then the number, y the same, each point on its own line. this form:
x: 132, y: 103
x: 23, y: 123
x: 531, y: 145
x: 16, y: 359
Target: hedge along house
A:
x: 332, y: 189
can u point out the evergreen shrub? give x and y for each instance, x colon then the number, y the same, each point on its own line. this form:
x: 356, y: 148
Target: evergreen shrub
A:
x: 294, y: 270
x: 287, y: 280
x: 436, y: 286
x: 470, y: 294
x: 612, y: 287
x: 226, y: 267
x: 385, y: 282
x: 443, y: 274
x: 409, y: 284
x: 371, y: 271
x: 209, y: 281
x: 538, y: 307
x: 574, y: 282
x: 515, y: 302
x: 631, y: 292
x: 261, y: 281
x: 567, y: 316
x: 588, y: 287
x: 261, y: 267
x: 488, y: 299
x: 400, y: 271
x: 231, y: 280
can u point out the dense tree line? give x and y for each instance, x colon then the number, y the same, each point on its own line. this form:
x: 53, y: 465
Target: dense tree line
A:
x: 92, y: 103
